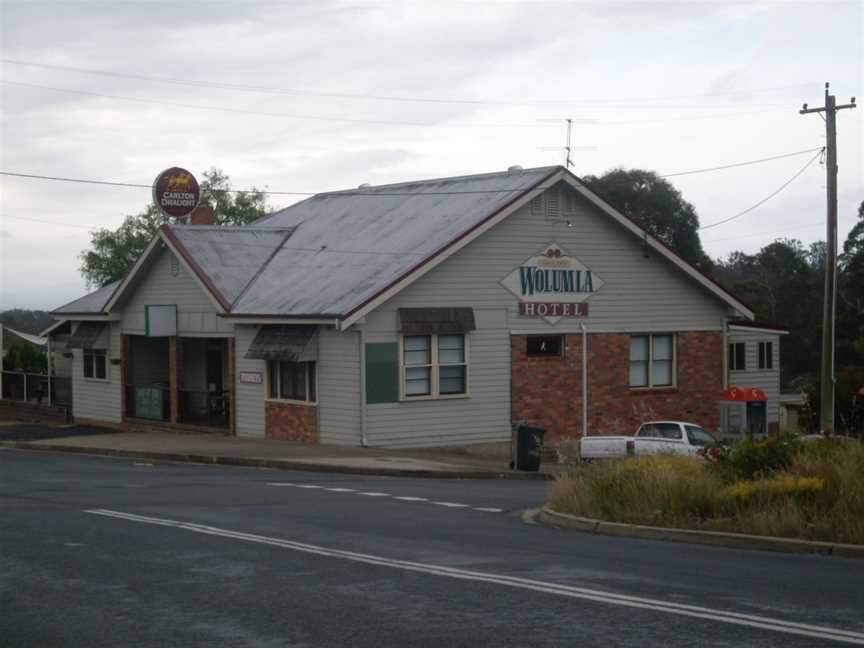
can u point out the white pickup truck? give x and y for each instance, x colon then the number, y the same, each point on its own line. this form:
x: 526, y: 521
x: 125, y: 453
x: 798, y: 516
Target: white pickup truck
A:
x: 654, y: 437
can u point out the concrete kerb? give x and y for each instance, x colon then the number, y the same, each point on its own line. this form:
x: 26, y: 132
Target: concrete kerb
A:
x: 715, y: 538
x: 277, y: 464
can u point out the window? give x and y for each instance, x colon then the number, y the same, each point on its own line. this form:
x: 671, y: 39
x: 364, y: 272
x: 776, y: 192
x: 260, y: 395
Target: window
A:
x: 766, y: 355
x: 737, y: 356
x: 434, y: 366
x: 699, y: 437
x: 96, y: 364
x: 660, y: 431
x: 652, y: 361
x: 293, y: 381
x: 547, y: 345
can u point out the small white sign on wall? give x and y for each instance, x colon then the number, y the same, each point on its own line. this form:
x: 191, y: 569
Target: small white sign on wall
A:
x: 160, y: 321
x: 251, y: 378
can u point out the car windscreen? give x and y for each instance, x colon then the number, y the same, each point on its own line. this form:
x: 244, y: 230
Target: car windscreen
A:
x: 660, y: 431
x: 699, y: 437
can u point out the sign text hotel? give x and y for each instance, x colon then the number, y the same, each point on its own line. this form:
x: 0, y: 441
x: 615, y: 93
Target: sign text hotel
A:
x: 552, y: 285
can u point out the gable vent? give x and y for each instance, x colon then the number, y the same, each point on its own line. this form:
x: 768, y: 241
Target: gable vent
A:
x: 552, y: 206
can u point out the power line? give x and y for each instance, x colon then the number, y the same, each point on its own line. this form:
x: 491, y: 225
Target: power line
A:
x: 395, y: 98
x: 767, y: 198
x: 740, y: 164
x: 378, y: 192
x: 46, y: 222
x: 242, y: 111
x: 755, y: 234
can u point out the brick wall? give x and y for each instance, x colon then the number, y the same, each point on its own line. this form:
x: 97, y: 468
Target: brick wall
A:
x: 291, y: 422
x: 548, y: 391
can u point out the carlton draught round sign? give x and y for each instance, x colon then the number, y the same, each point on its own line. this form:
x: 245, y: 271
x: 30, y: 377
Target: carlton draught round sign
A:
x: 176, y: 192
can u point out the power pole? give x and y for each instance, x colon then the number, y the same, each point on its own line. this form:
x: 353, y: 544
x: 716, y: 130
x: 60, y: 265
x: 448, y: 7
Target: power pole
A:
x: 826, y: 414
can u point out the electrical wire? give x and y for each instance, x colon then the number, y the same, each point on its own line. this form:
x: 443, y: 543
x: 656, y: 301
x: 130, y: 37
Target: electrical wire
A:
x: 755, y: 234
x: 394, y: 98
x: 386, y: 193
x: 768, y: 197
x: 740, y: 164
x: 242, y: 111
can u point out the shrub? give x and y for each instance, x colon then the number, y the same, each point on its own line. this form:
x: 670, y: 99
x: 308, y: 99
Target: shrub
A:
x: 749, y: 459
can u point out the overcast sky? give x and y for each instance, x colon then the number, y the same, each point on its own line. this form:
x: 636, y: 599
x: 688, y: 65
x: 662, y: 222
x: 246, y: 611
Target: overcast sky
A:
x: 664, y: 86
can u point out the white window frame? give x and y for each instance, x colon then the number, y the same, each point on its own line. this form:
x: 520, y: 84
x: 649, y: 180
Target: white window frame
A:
x: 435, y: 387
x: 277, y: 373
x: 674, y: 373
x: 734, y: 355
x: 103, y: 353
x: 765, y: 359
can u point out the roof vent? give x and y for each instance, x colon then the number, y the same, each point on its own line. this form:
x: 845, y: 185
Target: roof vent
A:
x: 365, y: 185
x: 516, y: 168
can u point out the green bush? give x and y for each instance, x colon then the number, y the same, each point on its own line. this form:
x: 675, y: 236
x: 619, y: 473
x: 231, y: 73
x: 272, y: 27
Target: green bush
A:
x: 754, y: 458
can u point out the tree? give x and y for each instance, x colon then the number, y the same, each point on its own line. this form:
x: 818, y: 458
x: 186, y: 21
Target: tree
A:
x: 26, y: 357
x: 112, y: 253
x: 850, y: 294
x: 656, y: 206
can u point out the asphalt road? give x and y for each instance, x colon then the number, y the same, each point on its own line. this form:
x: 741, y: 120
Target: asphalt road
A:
x: 116, y: 552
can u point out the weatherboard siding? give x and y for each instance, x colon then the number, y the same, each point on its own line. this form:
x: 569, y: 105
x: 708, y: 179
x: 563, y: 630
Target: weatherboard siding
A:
x: 768, y: 380
x: 98, y: 400
x: 196, y: 313
x: 250, y: 408
x: 339, y: 387
x: 641, y: 291
x: 482, y: 416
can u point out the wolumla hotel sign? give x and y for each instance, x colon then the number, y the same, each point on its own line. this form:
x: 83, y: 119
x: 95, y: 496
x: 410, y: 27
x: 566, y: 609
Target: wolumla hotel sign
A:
x: 552, y: 285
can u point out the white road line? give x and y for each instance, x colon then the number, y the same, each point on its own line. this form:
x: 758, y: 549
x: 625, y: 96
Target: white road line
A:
x: 340, y: 490
x: 488, y: 509
x: 309, y: 486
x: 599, y: 596
x: 450, y: 504
x: 412, y: 499
x: 373, y: 494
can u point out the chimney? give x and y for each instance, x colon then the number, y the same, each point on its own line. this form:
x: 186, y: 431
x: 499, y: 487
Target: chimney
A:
x: 204, y: 214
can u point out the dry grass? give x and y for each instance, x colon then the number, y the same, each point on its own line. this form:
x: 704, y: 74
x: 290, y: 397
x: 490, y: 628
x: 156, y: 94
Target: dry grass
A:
x: 820, y: 496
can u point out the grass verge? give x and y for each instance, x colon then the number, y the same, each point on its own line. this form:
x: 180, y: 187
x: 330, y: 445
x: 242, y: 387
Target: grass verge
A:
x: 815, y: 493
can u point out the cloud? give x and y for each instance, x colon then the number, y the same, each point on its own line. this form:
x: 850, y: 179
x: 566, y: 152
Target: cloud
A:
x: 649, y: 63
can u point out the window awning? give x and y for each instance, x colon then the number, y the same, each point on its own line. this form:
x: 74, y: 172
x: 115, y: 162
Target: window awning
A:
x: 85, y: 335
x: 283, y: 342
x: 443, y: 321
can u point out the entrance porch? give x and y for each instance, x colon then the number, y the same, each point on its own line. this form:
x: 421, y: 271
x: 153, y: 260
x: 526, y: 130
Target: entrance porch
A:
x: 185, y: 382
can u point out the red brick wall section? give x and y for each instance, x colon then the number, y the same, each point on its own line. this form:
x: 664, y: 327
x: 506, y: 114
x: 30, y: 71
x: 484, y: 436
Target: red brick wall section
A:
x: 291, y: 422
x: 548, y: 391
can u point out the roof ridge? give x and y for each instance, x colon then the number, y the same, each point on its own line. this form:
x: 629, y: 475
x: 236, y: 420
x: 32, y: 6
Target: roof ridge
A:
x: 264, y: 265
x: 230, y: 228
x: 470, y: 176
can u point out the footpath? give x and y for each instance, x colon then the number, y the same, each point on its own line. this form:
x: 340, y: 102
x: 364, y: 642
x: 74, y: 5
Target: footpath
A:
x: 261, y: 453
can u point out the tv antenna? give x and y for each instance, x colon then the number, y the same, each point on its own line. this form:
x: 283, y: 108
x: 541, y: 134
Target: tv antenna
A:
x: 568, y: 147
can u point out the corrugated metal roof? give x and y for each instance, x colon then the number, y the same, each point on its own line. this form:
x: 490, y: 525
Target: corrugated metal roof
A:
x: 230, y: 256
x: 350, y: 245
x: 92, y: 302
